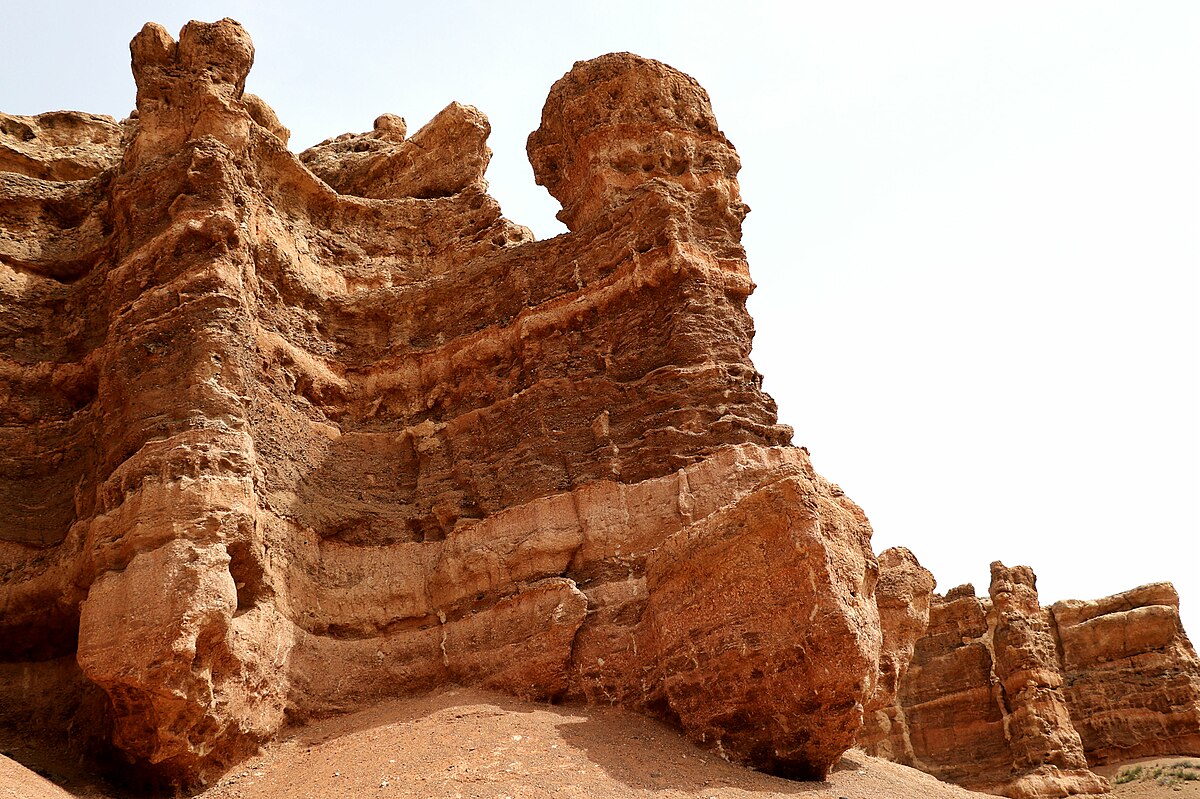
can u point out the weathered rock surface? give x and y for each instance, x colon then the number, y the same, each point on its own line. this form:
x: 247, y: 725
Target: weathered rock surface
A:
x: 1005, y: 696
x: 59, y: 145
x: 903, y: 594
x: 1132, y: 676
x: 757, y: 556
x: 282, y: 435
x: 1047, y: 756
x: 950, y: 699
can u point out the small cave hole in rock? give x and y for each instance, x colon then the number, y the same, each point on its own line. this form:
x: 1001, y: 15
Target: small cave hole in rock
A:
x: 247, y: 573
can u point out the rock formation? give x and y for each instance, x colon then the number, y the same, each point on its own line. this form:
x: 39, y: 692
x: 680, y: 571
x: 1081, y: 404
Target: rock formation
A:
x: 1047, y: 756
x: 903, y: 594
x: 1132, y: 678
x: 1005, y: 696
x: 282, y: 435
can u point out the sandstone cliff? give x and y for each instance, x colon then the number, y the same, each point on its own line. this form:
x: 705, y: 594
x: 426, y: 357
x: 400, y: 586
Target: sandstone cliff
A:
x: 1005, y: 696
x: 282, y: 435
x: 1132, y: 678
x: 902, y: 595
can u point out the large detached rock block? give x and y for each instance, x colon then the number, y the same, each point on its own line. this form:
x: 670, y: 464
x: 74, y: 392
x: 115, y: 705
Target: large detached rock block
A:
x: 786, y: 574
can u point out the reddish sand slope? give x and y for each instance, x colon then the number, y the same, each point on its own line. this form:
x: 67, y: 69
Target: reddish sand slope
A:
x: 469, y: 743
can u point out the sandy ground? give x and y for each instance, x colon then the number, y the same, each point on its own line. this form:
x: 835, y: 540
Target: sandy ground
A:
x: 18, y: 782
x: 479, y: 745
x: 1146, y: 787
x: 472, y: 744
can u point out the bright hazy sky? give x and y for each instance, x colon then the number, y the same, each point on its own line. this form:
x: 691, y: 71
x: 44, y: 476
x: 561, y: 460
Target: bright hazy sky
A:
x: 976, y: 228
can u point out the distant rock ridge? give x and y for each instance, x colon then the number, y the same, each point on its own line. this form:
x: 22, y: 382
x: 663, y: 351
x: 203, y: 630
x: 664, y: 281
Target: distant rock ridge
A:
x: 283, y: 435
x: 1007, y: 697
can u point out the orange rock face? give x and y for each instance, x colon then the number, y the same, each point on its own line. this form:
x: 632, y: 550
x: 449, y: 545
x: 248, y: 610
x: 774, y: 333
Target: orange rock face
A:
x: 282, y: 435
x: 1132, y: 676
x: 759, y: 557
x: 1005, y: 696
x: 1047, y: 756
x: 903, y: 594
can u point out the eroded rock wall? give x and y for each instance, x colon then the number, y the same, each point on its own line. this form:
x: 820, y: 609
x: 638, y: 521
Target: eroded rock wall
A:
x: 284, y: 434
x: 1047, y: 756
x: 1132, y: 676
x: 1005, y: 696
x: 950, y: 697
x: 903, y: 595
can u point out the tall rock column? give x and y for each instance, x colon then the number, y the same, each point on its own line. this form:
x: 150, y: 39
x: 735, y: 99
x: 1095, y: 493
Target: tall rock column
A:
x: 1047, y: 754
x: 756, y: 628
x: 902, y: 595
x: 171, y: 627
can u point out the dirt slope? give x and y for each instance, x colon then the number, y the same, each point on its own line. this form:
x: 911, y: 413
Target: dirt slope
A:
x: 18, y: 782
x: 1155, y: 777
x: 469, y: 743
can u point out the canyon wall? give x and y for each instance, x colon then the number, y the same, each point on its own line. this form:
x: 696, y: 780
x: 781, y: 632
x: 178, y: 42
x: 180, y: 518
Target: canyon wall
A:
x: 1005, y: 696
x: 285, y: 434
x: 1132, y: 678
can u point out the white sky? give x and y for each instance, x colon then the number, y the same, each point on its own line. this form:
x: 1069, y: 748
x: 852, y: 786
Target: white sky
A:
x: 976, y: 228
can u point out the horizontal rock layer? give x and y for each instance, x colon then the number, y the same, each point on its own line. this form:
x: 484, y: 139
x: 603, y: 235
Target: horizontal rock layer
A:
x: 284, y: 434
x: 1005, y: 696
x: 1132, y: 678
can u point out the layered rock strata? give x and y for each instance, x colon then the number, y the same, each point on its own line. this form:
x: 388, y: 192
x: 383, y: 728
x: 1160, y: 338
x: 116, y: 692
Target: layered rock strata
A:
x: 1047, y: 755
x: 903, y: 594
x: 1132, y: 678
x: 1005, y: 696
x: 281, y: 434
